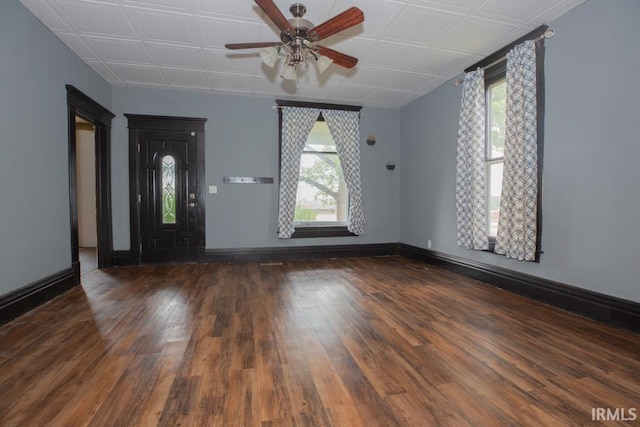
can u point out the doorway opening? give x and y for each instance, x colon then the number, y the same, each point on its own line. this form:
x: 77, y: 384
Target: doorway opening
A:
x: 86, y: 193
x: 82, y: 113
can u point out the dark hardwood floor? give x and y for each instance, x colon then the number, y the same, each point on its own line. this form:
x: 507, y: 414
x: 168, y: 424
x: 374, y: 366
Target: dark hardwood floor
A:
x: 351, y: 342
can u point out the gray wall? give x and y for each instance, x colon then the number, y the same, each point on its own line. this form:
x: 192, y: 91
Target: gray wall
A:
x: 242, y: 140
x: 34, y: 179
x: 591, y: 191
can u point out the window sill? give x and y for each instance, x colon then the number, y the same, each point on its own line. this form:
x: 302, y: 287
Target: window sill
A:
x: 333, y: 231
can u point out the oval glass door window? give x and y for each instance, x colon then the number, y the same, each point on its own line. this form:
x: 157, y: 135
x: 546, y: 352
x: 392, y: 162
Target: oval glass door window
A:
x: 168, y: 190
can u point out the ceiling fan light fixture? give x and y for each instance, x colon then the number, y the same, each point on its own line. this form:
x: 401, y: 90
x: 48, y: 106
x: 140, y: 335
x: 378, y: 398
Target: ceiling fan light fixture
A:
x: 298, y: 37
x: 269, y: 56
x: 323, y: 62
x: 289, y: 72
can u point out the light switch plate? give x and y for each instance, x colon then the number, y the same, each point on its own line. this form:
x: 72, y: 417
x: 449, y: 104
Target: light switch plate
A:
x: 213, y: 189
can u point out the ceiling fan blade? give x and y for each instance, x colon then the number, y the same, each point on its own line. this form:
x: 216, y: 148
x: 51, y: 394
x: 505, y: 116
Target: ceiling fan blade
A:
x: 272, y: 11
x: 347, y: 19
x: 251, y: 45
x: 339, y: 58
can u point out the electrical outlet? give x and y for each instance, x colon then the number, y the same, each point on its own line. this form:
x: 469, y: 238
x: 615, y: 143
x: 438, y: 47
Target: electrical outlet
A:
x: 213, y: 189
x: 428, y: 244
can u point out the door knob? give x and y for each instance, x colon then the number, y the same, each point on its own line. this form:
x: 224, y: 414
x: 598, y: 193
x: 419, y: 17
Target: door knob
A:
x: 192, y: 205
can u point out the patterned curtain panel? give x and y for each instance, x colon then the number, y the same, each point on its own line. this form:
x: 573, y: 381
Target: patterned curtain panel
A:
x: 471, y: 203
x: 296, y: 127
x: 345, y: 130
x: 517, y: 228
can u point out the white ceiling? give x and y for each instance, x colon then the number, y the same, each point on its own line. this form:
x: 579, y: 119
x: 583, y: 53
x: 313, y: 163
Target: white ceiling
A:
x: 405, y: 48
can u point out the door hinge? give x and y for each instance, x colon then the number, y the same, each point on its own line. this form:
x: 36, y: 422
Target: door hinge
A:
x: 139, y: 198
x: 138, y: 148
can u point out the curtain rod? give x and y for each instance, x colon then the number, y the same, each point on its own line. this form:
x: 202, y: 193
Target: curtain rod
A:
x: 280, y: 107
x: 547, y: 34
x: 289, y: 103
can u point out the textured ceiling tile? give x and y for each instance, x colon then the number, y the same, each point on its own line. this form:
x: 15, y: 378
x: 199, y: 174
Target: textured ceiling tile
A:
x: 474, y: 35
x: 106, y: 72
x: 515, y: 10
x: 351, y: 92
x: 95, y: 18
x: 178, y: 56
x: 242, y: 9
x: 370, y: 76
x: 378, y: 15
x: 164, y: 26
x: 421, y: 25
x: 391, y: 55
x: 217, y: 32
x: 185, y: 6
x: 405, y: 80
x: 233, y: 61
x: 187, y: 78
x: 555, y: 10
x: 388, y: 96
x: 137, y: 74
x: 79, y: 47
x: 467, y: 5
x: 435, y: 61
x: 125, y: 51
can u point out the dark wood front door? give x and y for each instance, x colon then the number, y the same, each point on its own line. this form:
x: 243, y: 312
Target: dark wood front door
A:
x: 169, y: 187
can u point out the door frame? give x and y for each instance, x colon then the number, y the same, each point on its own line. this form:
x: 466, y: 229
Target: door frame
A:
x: 141, y: 122
x: 79, y: 104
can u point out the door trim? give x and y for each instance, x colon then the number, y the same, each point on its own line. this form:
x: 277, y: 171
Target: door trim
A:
x: 139, y: 122
x: 79, y: 104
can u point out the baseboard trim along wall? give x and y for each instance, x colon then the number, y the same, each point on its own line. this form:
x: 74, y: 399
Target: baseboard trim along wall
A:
x: 603, y: 308
x: 27, y: 298
x: 121, y: 258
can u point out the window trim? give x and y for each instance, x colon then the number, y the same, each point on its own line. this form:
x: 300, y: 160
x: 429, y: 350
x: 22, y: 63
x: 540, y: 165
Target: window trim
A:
x: 317, y: 230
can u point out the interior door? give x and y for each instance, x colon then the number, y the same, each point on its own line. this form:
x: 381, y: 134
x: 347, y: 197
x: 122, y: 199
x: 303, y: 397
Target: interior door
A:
x: 168, y: 183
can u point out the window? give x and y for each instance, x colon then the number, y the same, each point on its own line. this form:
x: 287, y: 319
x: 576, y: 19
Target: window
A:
x: 496, y: 104
x: 322, y: 198
x: 496, y: 97
x: 319, y: 189
x: 499, y: 152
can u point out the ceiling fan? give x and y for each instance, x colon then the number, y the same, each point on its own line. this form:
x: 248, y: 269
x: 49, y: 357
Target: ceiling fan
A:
x: 298, y: 39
